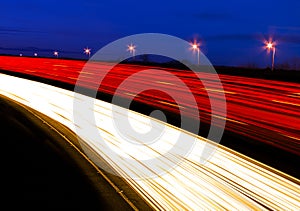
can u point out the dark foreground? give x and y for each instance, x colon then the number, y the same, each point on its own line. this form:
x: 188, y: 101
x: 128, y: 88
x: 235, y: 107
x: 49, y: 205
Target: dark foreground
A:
x: 41, y: 170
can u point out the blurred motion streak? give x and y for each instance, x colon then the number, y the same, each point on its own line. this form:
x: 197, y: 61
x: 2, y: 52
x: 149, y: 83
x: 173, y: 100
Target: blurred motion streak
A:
x: 229, y: 180
x: 262, y: 110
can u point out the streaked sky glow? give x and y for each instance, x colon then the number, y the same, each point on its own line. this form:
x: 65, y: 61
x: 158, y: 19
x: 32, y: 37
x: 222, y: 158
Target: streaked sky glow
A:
x: 231, y: 32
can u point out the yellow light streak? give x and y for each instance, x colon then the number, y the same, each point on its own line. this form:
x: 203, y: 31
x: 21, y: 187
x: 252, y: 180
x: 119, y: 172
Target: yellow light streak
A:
x: 284, y: 102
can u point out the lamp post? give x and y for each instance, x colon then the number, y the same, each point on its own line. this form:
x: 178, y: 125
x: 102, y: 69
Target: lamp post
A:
x: 131, y: 49
x: 87, y: 51
x: 195, y: 47
x: 271, y: 46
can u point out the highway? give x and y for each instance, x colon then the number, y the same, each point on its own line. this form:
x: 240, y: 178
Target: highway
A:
x: 229, y: 180
x: 265, y: 111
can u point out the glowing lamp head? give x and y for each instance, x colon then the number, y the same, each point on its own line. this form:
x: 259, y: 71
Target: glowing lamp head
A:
x: 131, y: 48
x: 269, y: 45
x: 87, y: 50
x: 194, y: 46
x: 55, y: 53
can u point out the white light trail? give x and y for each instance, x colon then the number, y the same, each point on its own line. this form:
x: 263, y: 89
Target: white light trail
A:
x: 228, y: 180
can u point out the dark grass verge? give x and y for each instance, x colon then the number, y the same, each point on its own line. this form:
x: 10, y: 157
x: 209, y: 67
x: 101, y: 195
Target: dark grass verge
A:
x: 43, y: 171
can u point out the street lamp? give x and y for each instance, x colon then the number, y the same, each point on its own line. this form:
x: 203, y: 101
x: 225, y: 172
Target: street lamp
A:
x: 271, y: 46
x: 195, y: 47
x: 131, y: 49
x: 35, y: 54
x: 55, y: 53
x: 87, y: 51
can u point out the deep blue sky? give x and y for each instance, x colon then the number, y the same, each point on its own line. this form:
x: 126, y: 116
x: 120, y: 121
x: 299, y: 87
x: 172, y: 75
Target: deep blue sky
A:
x: 231, y: 32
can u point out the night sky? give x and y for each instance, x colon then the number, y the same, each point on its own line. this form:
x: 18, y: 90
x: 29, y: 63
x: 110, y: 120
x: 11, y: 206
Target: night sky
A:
x: 231, y: 32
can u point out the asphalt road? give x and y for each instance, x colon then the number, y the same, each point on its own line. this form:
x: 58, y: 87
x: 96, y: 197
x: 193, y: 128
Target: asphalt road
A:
x: 43, y: 171
x: 229, y: 180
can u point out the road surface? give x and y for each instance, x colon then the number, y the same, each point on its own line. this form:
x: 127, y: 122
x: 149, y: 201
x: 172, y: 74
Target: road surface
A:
x: 229, y: 180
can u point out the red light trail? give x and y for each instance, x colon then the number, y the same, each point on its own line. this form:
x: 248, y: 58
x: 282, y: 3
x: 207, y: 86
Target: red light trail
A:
x: 264, y: 110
